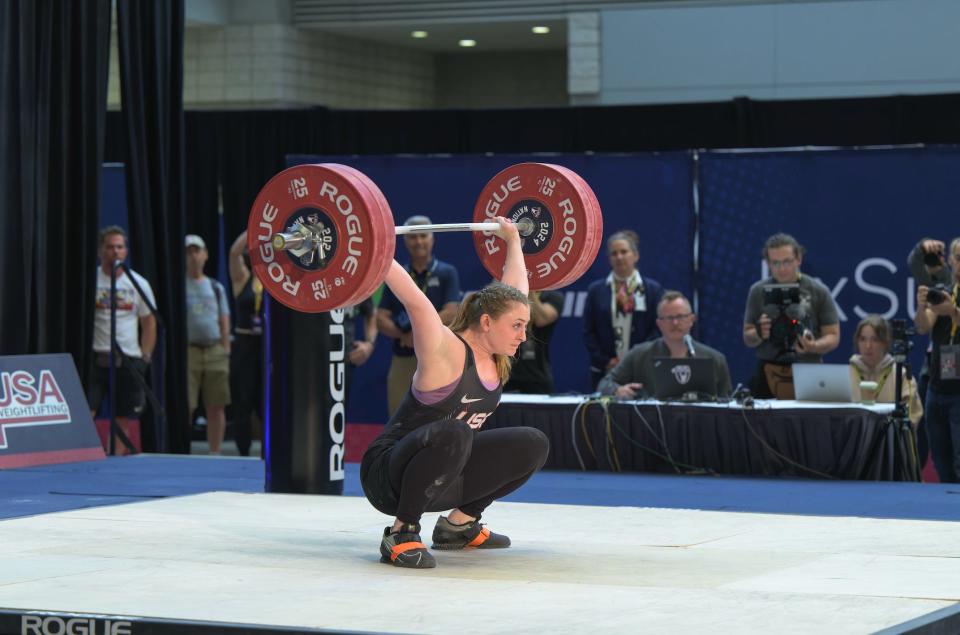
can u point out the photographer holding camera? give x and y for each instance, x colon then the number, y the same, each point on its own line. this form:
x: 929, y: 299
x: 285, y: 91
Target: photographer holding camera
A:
x: 802, y: 325
x: 939, y: 315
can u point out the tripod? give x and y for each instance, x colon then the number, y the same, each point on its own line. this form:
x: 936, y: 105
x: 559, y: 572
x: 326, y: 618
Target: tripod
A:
x: 900, y: 345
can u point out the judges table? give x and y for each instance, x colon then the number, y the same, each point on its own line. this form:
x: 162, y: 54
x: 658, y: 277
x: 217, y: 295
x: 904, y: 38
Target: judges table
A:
x: 769, y: 438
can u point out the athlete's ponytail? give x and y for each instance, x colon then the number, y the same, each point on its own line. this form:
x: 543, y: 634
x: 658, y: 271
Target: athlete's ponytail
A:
x: 494, y: 300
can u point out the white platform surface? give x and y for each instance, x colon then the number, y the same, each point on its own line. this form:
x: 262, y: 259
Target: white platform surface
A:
x: 312, y: 561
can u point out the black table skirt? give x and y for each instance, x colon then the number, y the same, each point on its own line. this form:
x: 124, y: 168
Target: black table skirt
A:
x: 842, y: 443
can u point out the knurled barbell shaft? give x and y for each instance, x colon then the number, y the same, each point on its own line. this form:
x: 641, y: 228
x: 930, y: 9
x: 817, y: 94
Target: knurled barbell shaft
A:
x: 524, y: 225
x: 446, y: 227
x: 292, y: 240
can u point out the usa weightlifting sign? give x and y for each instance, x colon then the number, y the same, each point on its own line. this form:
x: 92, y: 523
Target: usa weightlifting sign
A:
x: 322, y: 237
x: 44, y: 416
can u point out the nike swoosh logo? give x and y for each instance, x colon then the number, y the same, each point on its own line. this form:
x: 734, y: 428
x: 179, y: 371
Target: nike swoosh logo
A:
x: 465, y: 400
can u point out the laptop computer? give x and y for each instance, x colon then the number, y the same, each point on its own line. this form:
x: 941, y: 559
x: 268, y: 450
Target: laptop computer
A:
x: 822, y: 382
x: 683, y: 378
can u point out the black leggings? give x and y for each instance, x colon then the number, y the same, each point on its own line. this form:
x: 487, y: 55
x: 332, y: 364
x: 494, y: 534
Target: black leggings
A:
x: 446, y: 464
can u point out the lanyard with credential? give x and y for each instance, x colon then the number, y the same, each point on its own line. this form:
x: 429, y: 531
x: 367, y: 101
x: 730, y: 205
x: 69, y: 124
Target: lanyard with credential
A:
x: 426, y: 277
x: 953, y: 328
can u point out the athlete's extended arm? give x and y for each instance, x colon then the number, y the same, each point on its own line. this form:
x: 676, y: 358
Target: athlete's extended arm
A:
x: 514, y: 268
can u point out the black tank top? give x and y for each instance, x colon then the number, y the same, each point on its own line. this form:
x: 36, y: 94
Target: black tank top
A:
x: 469, y: 402
x: 248, y: 320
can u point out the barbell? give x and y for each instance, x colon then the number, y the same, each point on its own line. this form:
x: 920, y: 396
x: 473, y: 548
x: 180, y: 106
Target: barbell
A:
x: 322, y: 236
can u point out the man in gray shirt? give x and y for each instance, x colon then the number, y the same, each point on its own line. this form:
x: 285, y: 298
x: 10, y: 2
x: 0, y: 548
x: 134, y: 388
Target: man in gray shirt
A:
x: 633, y: 376
x: 816, y: 316
x: 208, y: 333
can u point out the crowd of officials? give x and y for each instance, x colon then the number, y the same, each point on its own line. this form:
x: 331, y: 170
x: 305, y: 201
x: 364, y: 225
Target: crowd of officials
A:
x: 629, y: 320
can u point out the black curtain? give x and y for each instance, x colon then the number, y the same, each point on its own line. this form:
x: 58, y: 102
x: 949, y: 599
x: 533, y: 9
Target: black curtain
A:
x: 151, y: 86
x: 202, y: 205
x: 253, y: 148
x: 242, y: 150
x: 53, y: 96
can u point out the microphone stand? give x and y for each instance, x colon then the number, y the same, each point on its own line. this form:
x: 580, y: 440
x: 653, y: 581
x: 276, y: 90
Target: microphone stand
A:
x: 115, y: 429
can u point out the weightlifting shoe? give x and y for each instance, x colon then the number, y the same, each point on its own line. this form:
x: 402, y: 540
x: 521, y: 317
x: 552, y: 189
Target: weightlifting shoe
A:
x: 472, y: 535
x: 404, y: 548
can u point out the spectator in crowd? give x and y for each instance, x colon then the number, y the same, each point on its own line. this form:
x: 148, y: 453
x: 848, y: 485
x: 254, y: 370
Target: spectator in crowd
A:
x: 620, y: 310
x: 246, y: 353
x: 938, y: 314
x: 133, y: 349
x: 208, y: 334
x: 873, y: 362
x: 816, y: 316
x: 360, y: 349
x: 633, y: 376
x: 441, y: 284
x: 926, y: 263
x: 531, y: 371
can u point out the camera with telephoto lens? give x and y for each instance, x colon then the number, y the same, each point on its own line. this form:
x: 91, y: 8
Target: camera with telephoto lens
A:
x: 787, y: 325
x: 937, y: 294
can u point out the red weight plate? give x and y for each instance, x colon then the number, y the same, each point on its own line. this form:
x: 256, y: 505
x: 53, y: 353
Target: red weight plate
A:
x: 345, y: 215
x: 576, y: 268
x: 594, y: 227
x: 386, y: 243
x: 560, y: 210
x: 597, y: 226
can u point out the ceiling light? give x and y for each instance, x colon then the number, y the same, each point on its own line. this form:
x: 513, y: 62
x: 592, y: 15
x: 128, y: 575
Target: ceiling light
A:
x: 541, y: 30
x: 467, y: 43
x: 418, y: 34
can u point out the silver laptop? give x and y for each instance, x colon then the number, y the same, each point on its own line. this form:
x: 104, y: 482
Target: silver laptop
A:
x: 822, y: 382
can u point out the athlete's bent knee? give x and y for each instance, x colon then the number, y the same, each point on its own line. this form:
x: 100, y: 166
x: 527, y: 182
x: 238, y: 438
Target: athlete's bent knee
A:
x: 539, y: 445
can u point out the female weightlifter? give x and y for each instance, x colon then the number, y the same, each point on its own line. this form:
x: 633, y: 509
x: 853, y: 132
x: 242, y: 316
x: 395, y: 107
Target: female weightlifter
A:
x: 432, y: 455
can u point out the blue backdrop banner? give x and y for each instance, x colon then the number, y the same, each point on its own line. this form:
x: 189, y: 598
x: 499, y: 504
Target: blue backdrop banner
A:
x: 649, y: 193
x: 857, y: 212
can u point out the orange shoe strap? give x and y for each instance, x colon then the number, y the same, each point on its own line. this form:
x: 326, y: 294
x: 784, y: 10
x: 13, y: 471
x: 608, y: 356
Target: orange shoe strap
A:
x: 480, y: 539
x: 405, y: 546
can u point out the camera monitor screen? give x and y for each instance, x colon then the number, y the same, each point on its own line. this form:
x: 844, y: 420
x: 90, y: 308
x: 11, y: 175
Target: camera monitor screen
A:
x: 781, y: 294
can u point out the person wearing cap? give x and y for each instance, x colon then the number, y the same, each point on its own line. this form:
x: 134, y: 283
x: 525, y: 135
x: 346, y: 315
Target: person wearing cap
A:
x: 208, y: 334
x: 440, y: 282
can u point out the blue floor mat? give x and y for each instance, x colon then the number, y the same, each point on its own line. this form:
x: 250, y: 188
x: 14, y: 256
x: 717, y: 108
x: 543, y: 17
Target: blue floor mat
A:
x: 52, y: 488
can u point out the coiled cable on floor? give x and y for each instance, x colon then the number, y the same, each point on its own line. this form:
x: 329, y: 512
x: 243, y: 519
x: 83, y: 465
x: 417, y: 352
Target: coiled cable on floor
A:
x: 688, y: 469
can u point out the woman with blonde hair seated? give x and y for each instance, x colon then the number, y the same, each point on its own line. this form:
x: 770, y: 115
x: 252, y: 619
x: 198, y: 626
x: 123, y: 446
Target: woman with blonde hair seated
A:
x: 873, y: 362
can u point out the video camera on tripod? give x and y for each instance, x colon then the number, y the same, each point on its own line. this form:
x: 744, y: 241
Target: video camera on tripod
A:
x: 900, y: 342
x: 787, y: 321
